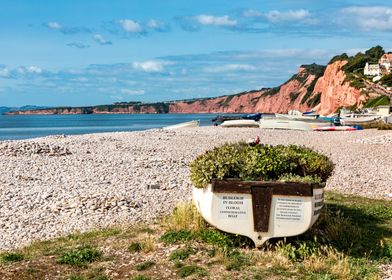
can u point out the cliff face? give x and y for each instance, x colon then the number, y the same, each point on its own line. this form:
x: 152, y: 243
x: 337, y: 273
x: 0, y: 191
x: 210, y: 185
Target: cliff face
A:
x: 335, y: 92
x: 316, y: 87
x: 277, y: 100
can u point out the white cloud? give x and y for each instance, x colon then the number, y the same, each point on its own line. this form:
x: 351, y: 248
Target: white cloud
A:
x: 54, y: 25
x: 29, y: 70
x: 277, y: 16
x: 5, y: 73
x: 214, y: 20
x: 132, y: 91
x: 101, y: 40
x: 230, y: 68
x: 378, y: 18
x: 131, y: 26
x: 150, y: 66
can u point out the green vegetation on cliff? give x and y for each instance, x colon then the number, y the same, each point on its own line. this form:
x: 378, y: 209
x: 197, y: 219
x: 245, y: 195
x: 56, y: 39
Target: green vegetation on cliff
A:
x: 386, y: 80
x: 381, y: 100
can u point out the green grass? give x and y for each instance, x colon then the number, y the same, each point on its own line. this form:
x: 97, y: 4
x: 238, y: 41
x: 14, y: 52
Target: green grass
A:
x: 181, y: 254
x: 135, y: 247
x: 380, y: 100
x: 80, y: 256
x: 11, y: 257
x: 144, y: 265
x: 173, y: 236
x: 188, y: 270
x: 141, y: 277
x: 236, y: 261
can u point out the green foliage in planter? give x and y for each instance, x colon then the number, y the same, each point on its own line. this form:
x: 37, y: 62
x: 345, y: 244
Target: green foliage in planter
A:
x: 260, y: 162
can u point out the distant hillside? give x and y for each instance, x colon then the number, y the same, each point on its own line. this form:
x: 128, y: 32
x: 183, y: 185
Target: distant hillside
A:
x: 315, y: 87
x: 4, y: 109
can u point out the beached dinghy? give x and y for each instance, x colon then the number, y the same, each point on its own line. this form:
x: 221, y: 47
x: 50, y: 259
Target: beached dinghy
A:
x: 240, y: 123
x: 194, y: 123
x: 359, y: 120
x: 335, y: 128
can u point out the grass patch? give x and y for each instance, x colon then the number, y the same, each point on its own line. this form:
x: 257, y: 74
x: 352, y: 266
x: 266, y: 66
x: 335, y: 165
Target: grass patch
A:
x: 236, y: 261
x: 141, y: 277
x: 188, y: 270
x: 184, y: 217
x: 135, y: 247
x: 172, y: 236
x: 144, y: 265
x: 11, y: 257
x: 181, y: 254
x: 80, y: 257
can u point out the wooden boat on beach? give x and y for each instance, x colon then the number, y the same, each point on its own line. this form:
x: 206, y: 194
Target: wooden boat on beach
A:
x: 194, y: 123
x: 240, y: 123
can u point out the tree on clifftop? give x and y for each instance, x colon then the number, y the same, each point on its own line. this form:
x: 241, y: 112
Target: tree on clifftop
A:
x: 374, y: 54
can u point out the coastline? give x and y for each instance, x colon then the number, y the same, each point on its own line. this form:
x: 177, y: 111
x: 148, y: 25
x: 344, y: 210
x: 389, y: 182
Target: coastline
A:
x: 56, y: 185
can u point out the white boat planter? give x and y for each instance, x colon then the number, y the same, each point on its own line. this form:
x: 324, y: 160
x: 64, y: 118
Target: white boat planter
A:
x: 260, y: 210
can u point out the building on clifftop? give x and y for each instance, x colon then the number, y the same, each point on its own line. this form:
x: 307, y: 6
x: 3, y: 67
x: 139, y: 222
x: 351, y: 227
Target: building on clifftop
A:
x: 383, y: 67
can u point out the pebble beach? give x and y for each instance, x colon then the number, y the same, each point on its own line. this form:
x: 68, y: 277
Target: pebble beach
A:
x: 61, y: 184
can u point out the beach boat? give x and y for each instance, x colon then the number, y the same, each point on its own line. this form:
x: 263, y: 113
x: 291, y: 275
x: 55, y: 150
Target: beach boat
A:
x: 296, y: 117
x: 284, y: 124
x: 194, y: 123
x: 358, y: 120
x: 335, y: 128
x: 222, y: 118
x: 240, y: 123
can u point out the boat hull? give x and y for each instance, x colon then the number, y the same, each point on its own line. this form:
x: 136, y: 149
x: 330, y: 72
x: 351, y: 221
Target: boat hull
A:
x: 195, y: 123
x: 232, y: 212
x: 240, y: 123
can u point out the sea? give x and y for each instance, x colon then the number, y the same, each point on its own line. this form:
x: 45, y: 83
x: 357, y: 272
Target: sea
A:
x: 32, y: 126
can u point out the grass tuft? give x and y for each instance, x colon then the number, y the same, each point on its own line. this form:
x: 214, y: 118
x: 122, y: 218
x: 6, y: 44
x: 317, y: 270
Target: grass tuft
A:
x: 141, y: 277
x: 181, y: 254
x: 11, y: 257
x: 144, y: 265
x: 172, y: 236
x: 80, y: 257
x: 188, y: 270
x: 135, y: 247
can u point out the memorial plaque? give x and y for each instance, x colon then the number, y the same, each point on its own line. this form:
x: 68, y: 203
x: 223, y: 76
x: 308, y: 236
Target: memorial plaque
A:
x: 289, y: 210
x: 233, y: 207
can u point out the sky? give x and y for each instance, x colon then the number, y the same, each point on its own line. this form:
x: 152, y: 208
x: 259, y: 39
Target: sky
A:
x: 77, y: 53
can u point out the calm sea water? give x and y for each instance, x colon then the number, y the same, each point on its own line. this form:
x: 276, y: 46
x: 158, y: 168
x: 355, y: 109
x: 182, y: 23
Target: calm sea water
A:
x: 23, y: 127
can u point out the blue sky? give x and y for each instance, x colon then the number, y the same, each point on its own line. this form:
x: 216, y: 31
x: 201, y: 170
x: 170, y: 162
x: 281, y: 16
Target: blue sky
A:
x: 72, y: 52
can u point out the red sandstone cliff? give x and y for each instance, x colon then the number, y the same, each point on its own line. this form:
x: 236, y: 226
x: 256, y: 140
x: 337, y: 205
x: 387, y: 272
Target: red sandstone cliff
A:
x: 324, y: 89
x: 335, y: 92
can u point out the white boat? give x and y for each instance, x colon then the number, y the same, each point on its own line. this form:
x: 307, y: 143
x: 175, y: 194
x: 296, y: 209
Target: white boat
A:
x: 195, y: 123
x: 234, y: 211
x: 240, y: 123
x: 358, y: 120
x: 289, y: 124
x: 296, y: 117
